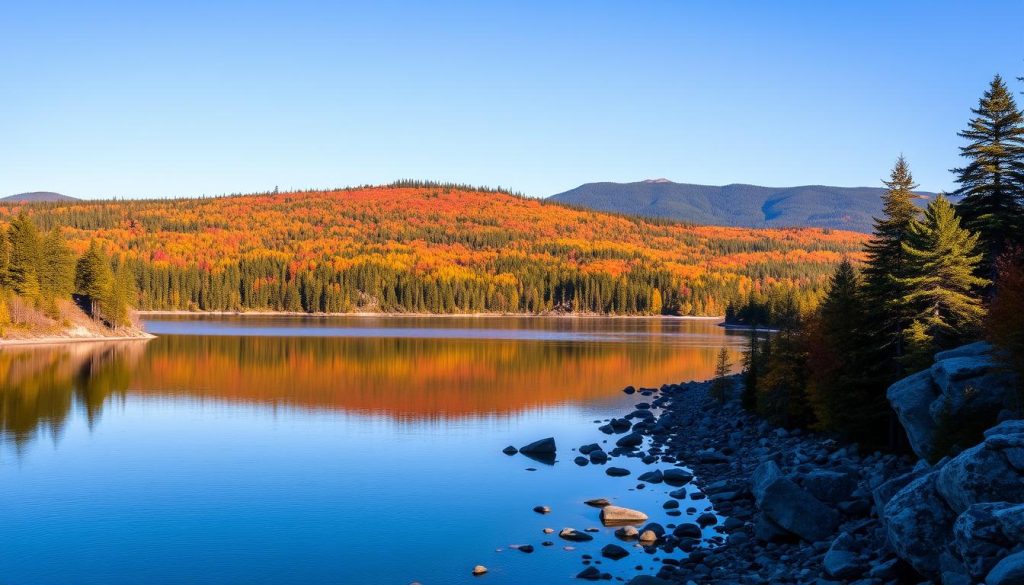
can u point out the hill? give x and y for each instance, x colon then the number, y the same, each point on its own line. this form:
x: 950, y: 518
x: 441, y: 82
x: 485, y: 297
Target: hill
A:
x: 436, y: 249
x: 847, y: 208
x: 37, y: 197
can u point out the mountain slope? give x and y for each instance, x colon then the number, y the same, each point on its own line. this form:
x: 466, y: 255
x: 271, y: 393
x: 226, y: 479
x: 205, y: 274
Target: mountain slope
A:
x: 37, y: 197
x: 437, y: 248
x: 847, y: 208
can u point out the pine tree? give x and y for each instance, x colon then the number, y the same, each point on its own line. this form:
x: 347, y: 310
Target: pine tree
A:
x: 24, y: 258
x: 843, y: 387
x: 992, y: 183
x: 94, y: 278
x: 720, y: 386
x: 942, y: 289
x: 57, y: 270
x: 117, y: 301
x: 886, y: 260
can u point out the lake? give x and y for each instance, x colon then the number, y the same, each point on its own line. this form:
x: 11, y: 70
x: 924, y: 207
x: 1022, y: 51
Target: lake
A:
x: 266, y: 449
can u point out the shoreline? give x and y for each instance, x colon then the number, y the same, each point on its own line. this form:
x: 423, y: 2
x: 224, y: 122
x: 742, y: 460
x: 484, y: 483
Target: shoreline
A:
x: 725, y: 449
x: 364, y: 314
x: 57, y: 340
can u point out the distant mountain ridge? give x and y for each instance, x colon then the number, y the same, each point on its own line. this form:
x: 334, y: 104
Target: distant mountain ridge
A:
x: 37, y: 197
x: 737, y: 205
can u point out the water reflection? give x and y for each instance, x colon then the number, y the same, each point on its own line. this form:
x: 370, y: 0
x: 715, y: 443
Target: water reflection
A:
x: 430, y: 377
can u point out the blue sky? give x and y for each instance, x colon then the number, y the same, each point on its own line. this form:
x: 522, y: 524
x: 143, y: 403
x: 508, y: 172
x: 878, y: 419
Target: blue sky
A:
x: 102, y: 99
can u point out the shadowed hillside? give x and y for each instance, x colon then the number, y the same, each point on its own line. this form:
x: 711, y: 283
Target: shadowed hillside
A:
x: 846, y: 208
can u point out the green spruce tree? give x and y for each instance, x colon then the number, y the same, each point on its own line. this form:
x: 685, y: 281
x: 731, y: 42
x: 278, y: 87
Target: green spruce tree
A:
x: 94, y: 278
x: 886, y: 260
x: 57, y: 266
x: 941, y: 287
x: 992, y: 182
x: 24, y: 258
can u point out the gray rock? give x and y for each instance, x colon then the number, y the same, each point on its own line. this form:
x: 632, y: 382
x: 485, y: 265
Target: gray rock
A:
x: 510, y: 450
x: 614, y: 552
x: 598, y: 457
x: 1007, y: 427
x: 617, y: 471
x: 676, y: 477
x: 652, y: 476
x: 797, y: 511
x: 763, y: 476
x: 829, y: 486
x: 1009, y: 571
x: 541, y: 447
x: 979, y: 538
x: 841, y: 559
x: 918, y: 524
x: 631, y: 440
x: 911, y: 398
x: 978, y: 475
x: 972, y: 349
x: 883, y: 493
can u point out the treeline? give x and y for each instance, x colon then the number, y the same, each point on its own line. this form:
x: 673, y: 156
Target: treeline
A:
x: 927, y: 283
x: 433, y: 248
x: 39, y: 270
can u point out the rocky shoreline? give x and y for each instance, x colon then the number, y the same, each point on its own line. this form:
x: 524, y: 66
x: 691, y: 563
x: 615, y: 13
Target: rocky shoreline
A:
x: 796, y: 507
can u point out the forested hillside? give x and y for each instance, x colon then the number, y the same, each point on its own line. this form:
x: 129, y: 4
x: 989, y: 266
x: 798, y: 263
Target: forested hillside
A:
x: 417, y: 247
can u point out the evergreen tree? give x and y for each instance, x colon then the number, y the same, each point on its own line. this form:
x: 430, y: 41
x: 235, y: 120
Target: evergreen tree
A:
x: 94, y: 278
x: 24, y: 257
x: 886, y: 260
x: 941, y: 287
x: 57, y: 270
x: 992, y: 183
x: 5, y: 257
x: 843, y: 389
x: 117, y: 301
x: 720, y: 386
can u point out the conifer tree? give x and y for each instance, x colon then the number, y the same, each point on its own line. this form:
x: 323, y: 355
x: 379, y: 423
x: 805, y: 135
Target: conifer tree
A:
x: 24, y: 258
x: 843, y: 386
x: 5, y: 257
x: 751, y: 371
x: 992, y: 182
x: 721, y: 384
x: 57, y: 269
x: 94, y: 278
x: 942, y: 289
x: 117, y: 301
x: 886, y: 260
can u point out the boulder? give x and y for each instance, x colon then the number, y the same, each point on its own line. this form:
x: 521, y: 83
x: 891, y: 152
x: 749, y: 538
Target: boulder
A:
x: 652, y: 476
x: 918, y: 524
x: 828, y: 486
x: 676, y: 477
x: 981, y: 474
x: 541, y: 447
x: 884, y: 492
x: 979, y: 537
x: 797, y: 511
x: 617, y: 515
x: 1009, y: 571
x: 629, y: 441
x: 614, y: 552
x: 841, y: 559
x: 588, y: 449
x: 598, y: 457
x: 617, y: 471
x: 589, y: 574
x: 765, y: 473
x: 628, y: 532
x: 972, y: 349
x: 912, y: 398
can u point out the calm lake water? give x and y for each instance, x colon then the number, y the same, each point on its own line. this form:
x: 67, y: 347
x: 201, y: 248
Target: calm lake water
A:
x: 325, y: 450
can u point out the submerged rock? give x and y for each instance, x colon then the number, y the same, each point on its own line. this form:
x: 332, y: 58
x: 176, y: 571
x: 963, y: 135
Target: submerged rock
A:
x: 573, y: 535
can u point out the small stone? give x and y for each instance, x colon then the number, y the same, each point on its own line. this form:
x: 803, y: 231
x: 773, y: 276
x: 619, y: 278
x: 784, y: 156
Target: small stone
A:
x: 510, y: 450
x: 479, y: 570
x: 617, y: 471
x: 542, y: 509
x: 614, y: 552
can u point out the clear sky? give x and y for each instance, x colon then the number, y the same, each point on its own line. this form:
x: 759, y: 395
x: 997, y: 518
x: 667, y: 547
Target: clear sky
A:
x: 102, y: 99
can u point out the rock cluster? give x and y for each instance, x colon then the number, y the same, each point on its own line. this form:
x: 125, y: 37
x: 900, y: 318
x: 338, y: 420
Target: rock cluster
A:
x: 964, y: 388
